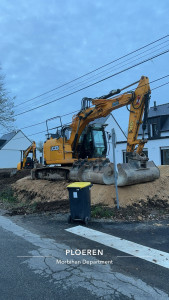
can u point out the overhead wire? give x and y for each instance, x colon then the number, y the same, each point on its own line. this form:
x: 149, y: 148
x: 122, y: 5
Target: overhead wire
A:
x: 69, y: 94
x: 45, y: 120
x: 132, y: 52
x: 33, y: 125
x: 121, y: 64
x: 68, y: 123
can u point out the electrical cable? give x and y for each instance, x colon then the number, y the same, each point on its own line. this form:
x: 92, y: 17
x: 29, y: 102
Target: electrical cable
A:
x: 45, y: 120
x: 45, y: 130
x: 98, y: 75
x: 78, y: 110
x: 98, y: 68
x: 42, y: 105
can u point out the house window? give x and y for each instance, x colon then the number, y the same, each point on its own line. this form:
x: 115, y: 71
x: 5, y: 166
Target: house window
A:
x: 153, y: 130
x: 165, y: 156
x: 125, y: 158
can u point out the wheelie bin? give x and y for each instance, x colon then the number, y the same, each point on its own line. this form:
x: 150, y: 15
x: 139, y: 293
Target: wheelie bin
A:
x: 80, y: 201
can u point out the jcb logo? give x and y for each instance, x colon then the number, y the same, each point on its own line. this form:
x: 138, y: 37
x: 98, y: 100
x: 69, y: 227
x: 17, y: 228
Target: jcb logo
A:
x: 54, y: 148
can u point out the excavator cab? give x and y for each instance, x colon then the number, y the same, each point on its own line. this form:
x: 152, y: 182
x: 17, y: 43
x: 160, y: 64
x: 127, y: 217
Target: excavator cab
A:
x: 92, y: 142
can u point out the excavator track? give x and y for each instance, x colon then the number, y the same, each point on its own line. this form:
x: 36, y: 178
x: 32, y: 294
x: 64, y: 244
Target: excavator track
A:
x: 51, y: 173
x: 98, y: 171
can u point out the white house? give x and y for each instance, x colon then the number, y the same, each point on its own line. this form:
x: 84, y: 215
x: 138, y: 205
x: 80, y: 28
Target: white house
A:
x: 11, y: 146
x: 157, y: 133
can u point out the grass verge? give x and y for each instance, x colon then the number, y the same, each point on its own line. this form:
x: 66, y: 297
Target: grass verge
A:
x: 8, y: 196
x: 100, y: 211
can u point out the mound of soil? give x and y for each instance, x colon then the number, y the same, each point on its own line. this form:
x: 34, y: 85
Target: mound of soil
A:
x: 6, y: 180
x: 138, y: 201
x: 28, y: 190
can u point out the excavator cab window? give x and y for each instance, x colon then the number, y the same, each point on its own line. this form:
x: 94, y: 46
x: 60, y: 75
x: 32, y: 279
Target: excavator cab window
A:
x: 92, y: 143
x: 29, y: 163
x: 100, y: 148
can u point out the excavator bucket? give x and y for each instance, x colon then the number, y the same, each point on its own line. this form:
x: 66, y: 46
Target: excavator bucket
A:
x: 98, y: 171
x: 102, y: 172
x: 132, y: 173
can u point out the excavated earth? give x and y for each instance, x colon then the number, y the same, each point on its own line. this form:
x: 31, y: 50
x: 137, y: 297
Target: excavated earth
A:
x: 138, y: 202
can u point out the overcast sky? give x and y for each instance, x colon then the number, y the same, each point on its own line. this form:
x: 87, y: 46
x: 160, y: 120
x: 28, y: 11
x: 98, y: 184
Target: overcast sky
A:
x: 45, y: 44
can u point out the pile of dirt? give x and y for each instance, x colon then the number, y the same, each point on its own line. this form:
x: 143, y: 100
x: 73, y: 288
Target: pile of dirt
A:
x: 28, y: 190
x: 137, y: 202
x: 6, y: 178
x: 129, y: 195
x: 31, y: 191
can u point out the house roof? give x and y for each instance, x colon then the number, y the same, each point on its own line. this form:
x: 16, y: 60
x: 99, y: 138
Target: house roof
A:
x: 9, y: 136
x: 159, y: 110
x: 2, y: 142
x: 6, y: 138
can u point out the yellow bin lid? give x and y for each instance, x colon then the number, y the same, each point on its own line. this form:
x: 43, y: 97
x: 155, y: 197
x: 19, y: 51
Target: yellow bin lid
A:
x: 79, y: 185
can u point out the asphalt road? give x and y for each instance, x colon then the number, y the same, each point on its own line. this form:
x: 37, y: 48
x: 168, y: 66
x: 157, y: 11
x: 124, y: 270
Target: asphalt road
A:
x: 33, y: 256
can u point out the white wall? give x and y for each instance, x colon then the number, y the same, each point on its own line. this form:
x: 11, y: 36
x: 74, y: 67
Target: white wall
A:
x: 112, y: 124
x: 9, y: 159
x: 118, y: 152
x: 18, y: 142
x: 154, y: 149
x: 153, y: 146
x: 10, y: 154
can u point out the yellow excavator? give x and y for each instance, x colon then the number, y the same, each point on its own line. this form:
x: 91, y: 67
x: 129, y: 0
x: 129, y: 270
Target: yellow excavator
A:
x: 78, y: 151
x: 27, y: 162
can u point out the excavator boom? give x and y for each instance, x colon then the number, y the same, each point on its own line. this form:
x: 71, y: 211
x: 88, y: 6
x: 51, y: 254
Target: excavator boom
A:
x: 24, y: 164
x: 83, y: 153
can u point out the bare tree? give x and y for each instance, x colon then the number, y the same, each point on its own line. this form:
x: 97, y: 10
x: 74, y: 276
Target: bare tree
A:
x: 39, y: 147
x: 6, y: 106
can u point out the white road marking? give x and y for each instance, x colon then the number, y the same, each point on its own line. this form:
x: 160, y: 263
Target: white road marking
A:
x: 149, y: 254
x: 101, y: 281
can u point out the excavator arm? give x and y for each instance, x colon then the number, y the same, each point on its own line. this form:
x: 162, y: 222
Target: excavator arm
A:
x: 30, y: 149
x: 138, y: 169
x: 79, y: 157
x: 101, y: 107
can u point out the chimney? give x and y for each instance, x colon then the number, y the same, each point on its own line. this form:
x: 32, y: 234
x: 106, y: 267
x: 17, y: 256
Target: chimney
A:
x: 155, y: 106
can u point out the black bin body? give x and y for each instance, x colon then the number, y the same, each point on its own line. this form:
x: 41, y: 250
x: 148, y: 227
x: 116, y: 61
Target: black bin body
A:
x: 80, y: 200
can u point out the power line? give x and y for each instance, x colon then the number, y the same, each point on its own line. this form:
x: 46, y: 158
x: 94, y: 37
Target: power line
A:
x: 78, y: 110
x: 107, y: 71
x: 69, y: 94
x: 160, y: 86
x: 132, y: 52
x: 45, y: 130
x: 35, y: 124
x: 45, y: 120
